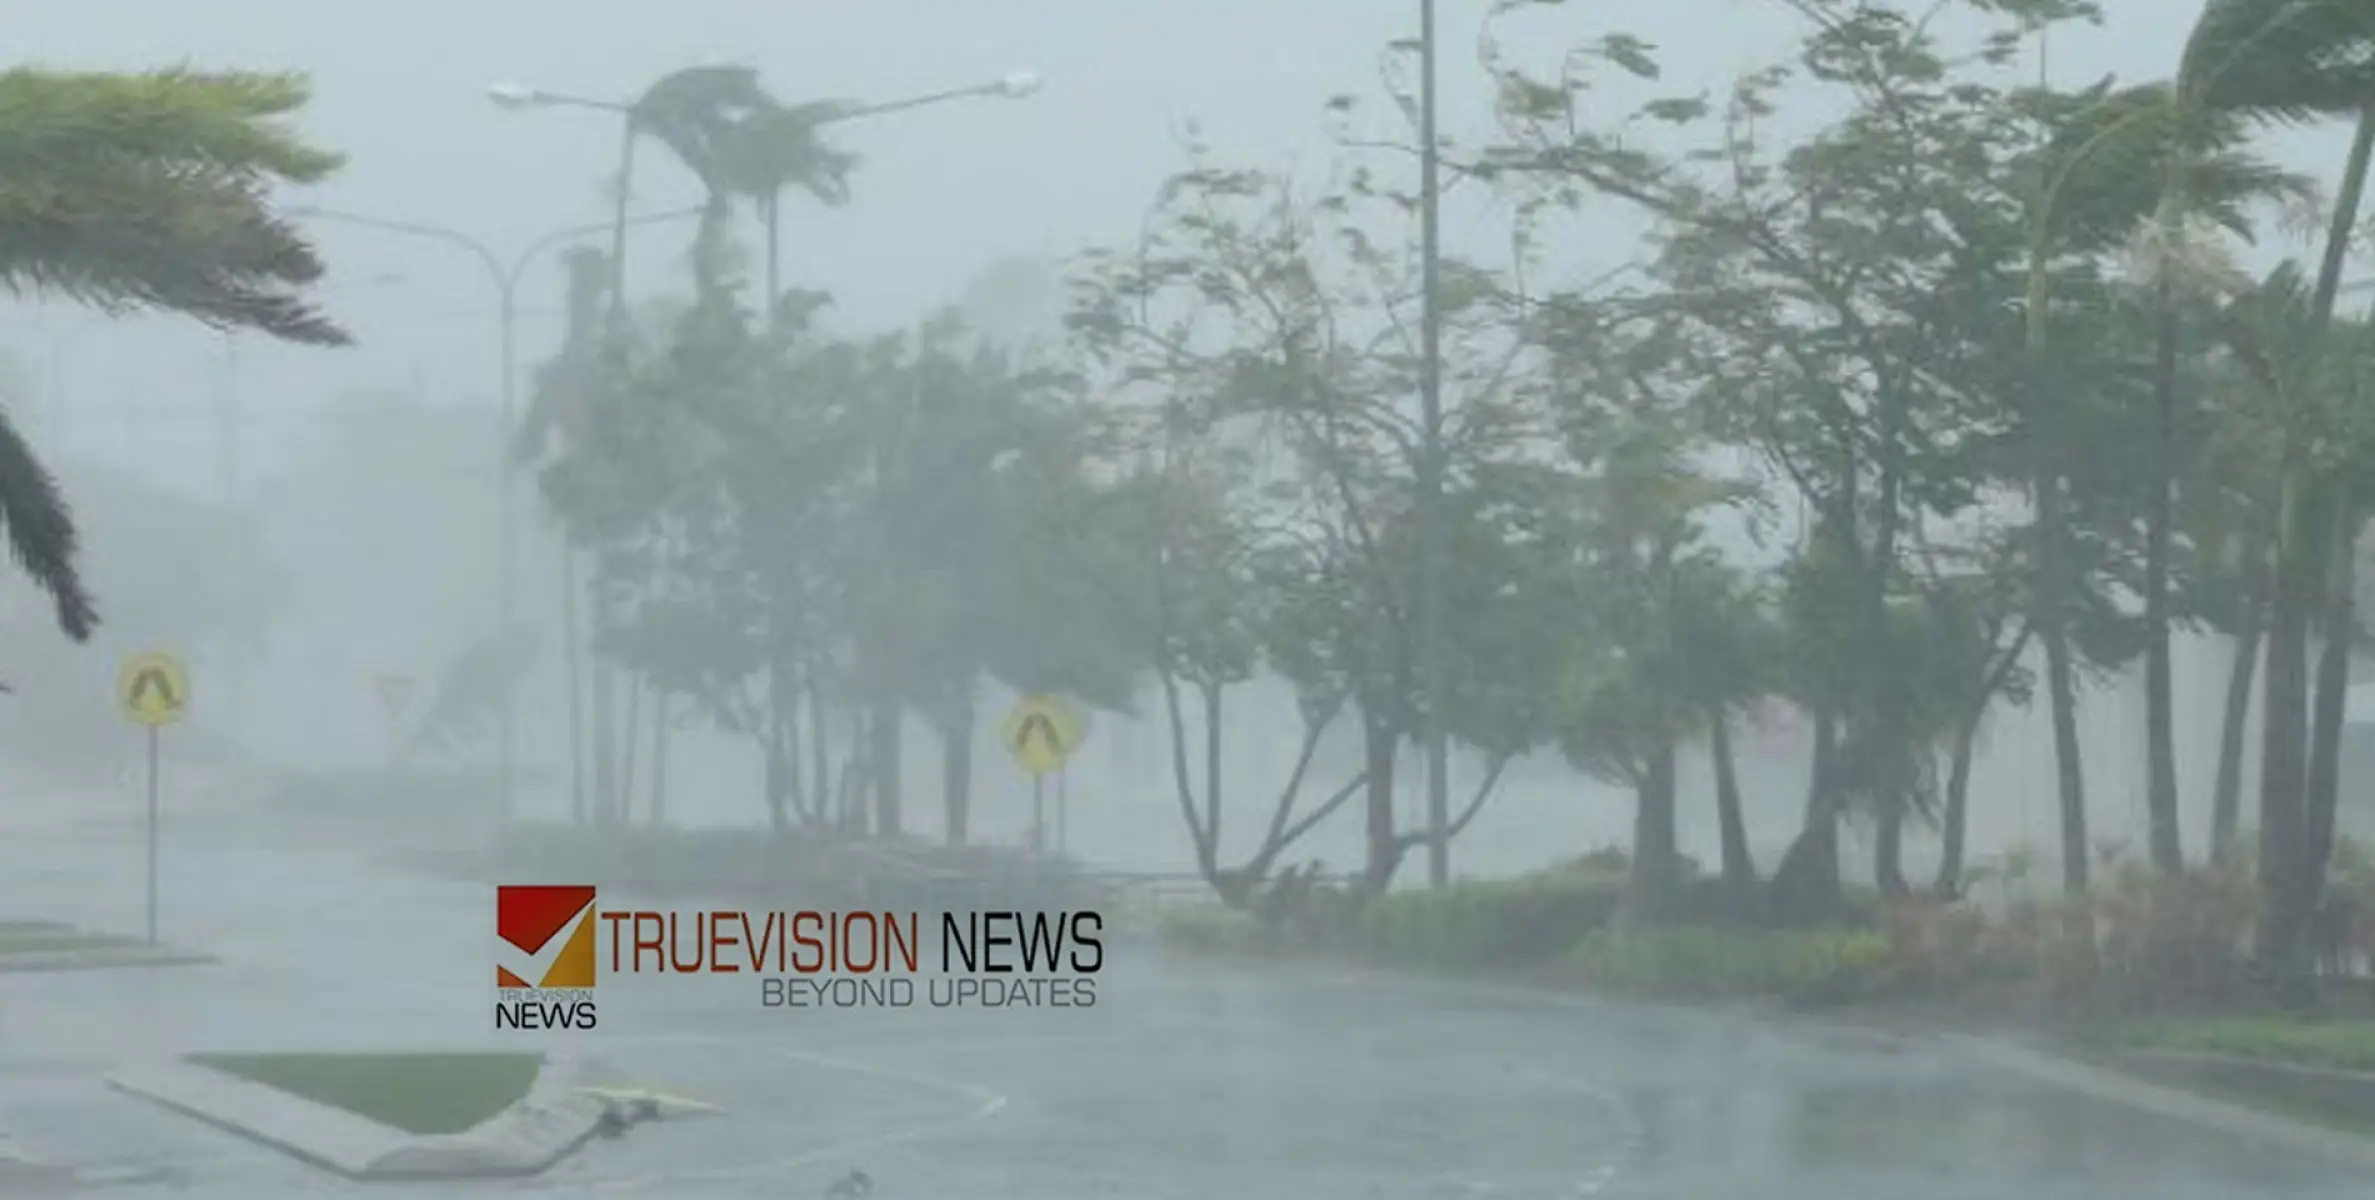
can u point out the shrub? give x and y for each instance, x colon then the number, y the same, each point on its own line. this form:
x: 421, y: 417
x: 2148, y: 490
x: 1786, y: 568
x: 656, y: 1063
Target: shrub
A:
x: 2142, y: 941
x: 1216, y: 929
x: 1500, y: 924
x: 1700, y: 963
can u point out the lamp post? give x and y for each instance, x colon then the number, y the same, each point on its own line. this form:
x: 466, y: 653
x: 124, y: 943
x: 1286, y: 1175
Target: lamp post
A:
x: 516, y: 96
x: 1428, y: 600
x: 505, y: 275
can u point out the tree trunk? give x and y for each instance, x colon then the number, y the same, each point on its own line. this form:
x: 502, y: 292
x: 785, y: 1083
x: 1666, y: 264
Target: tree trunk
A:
x: 2306, y: 515
x: 775, y: 767
x: 606, y: 743
x: 886, y: 727
x: 631, y: 737
x: 2338, y: 627
x: 1656, y: 869
x: 820, y: 744
x: 783, y: 725
x: 1212, y: 692
x: 1888, y: 849
x: 2160, y: 752
x: 956, y: 769
x: 573, y: 663
x: 2226, y: 800
x: 2053, y: 598
x: 2284, y: 736
x: 1740, y: 871
x: 662, y: 726
x: 1805, y: 886
x: 1379, y: 740
x: 1956, y: 820
x: 856, y: 776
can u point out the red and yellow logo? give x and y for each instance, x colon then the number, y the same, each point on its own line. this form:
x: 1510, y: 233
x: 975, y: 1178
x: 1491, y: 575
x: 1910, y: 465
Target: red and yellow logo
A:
x: 545, y: 936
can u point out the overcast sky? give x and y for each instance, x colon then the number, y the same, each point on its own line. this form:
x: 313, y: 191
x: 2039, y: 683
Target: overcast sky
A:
x: 944, y: 191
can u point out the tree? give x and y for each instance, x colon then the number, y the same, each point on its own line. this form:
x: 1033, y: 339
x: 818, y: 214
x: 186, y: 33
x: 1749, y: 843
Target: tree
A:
x: 1841, y: 307
x: 145, y: 191
x: 2294, y: 60
x: 1274, y: 329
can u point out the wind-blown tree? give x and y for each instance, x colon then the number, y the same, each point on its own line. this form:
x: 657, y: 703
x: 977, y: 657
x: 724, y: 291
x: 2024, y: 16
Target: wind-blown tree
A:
x: 2295, y: 61
x: 1280, y: 329
x: 145, y: 191
x: 186, y: 571
x: 1975, y: 633
x: 1840, y: 301
x: 2233, y: 514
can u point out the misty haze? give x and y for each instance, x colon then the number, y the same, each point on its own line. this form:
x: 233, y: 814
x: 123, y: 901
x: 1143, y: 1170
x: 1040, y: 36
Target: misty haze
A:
x: 1037, y: 598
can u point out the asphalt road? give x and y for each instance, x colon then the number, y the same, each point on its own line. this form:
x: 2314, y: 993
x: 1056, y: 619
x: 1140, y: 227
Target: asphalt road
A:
x: 1180, y: 1082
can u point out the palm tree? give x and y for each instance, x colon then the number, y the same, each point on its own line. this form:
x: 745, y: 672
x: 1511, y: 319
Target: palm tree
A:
x: 144, y: 191
x: 2296, y: 61
x: 2207, y: 185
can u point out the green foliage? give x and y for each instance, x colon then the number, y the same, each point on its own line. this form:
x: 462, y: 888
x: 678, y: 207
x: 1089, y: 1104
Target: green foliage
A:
x: 2333, y: 1045
x: 149, y: 190
x: 144, y: 191
x: 1801, y: 966
x: 1498, y: 925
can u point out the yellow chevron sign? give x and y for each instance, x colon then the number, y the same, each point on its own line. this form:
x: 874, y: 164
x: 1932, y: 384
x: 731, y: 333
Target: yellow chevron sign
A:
x: 154, y: 688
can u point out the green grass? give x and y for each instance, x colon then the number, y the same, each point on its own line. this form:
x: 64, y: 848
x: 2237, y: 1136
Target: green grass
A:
x: 418, y: 1093
x: 2342, y: 1045
x: 25, y: 941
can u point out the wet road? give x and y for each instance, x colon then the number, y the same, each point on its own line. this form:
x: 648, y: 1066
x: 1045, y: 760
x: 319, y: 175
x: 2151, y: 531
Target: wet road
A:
x: 1178, y: 1083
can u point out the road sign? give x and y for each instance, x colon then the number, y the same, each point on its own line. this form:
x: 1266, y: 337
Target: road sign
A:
x: 1042, y: 732
x: 395, y: 691
x: 153, y: 688
x: 155, y: 692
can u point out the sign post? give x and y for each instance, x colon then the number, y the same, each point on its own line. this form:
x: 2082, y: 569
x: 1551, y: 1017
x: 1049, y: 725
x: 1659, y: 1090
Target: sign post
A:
x: 154, y: 690
x: 1042, y: 732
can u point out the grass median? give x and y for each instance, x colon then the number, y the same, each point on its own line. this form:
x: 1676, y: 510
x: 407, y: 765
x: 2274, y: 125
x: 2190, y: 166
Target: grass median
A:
x: 56, y: 937
x: 2334, y: 1045
x: 422, y: 1094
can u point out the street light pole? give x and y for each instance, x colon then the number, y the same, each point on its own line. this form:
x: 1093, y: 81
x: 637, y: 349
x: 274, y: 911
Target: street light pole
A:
x: 1430, y: 469
x: 505, y: 276
x: 518, y: 96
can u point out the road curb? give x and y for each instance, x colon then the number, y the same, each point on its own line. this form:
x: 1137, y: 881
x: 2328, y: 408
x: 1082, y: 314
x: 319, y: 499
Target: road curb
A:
x: 101, y: 960
x: 2115, y: 1087
x: 2162, y: 1100
x: 552, y: 1121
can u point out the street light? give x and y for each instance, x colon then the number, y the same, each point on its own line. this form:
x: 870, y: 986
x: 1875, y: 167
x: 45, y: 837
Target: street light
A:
x: 505, y: 275
x: 1430, y: 482
x: 515, y: 96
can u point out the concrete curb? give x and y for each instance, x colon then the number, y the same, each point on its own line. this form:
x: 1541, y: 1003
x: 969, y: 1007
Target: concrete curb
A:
x: 101, y: 959
x: 2107, y: 1085
x: 2174, y: 1103
x: 545, y: 1126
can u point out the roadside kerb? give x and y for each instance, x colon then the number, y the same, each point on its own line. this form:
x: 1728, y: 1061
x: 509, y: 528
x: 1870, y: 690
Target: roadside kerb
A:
x: 551, y: 1121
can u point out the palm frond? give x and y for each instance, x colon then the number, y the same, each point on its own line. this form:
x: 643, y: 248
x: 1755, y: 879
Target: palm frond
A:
x: 41, y: 534
x: 2281, y: 60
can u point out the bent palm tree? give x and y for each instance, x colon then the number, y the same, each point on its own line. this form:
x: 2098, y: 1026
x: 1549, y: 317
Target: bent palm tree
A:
x: 144, y: 191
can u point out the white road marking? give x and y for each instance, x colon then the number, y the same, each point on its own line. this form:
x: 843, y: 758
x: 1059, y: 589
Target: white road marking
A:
x: 987, y: 1103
